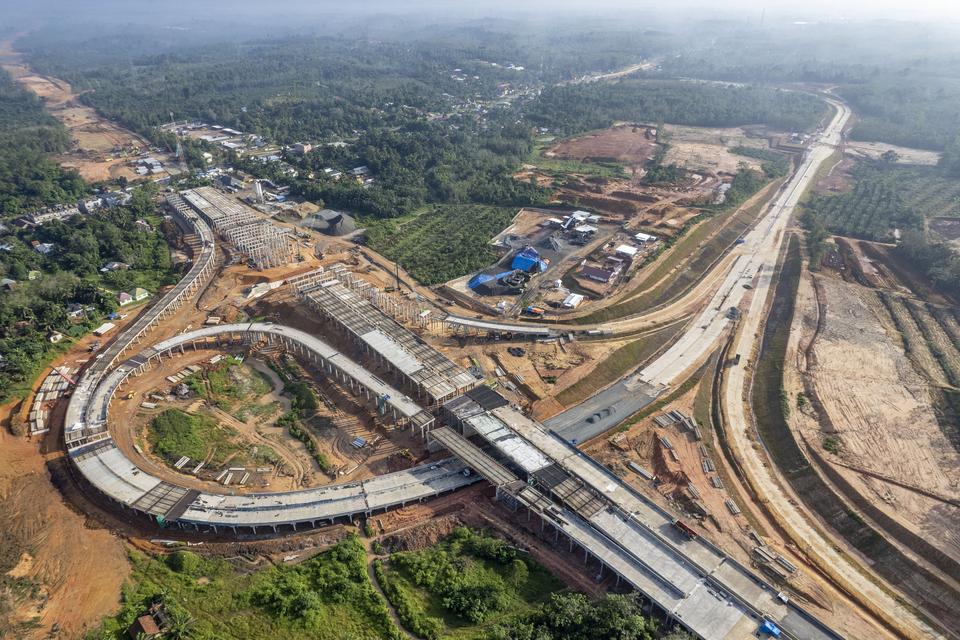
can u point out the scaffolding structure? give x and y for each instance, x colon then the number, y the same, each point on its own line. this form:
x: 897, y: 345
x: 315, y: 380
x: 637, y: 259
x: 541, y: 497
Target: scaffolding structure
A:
x: 399, y: 307
x: 263, y: 243
x: 353, y: 305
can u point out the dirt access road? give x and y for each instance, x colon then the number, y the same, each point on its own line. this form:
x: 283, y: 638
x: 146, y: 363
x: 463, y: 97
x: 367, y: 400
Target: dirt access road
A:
x: 762, y: 476
x: 102, y: 148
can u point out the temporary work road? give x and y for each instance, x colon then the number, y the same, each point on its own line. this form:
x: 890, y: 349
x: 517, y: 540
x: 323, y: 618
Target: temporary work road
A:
x: 762, y: 476
x: 752, y: 263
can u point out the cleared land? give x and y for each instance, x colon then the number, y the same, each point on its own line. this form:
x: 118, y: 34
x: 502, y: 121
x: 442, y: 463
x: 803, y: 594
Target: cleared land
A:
x: 871, y: 419
x: 232, y: 419
x: 906, y: 155
x: 712, y: 150
x: 629, y: 144
x: 103, y: 148
x: 603, y: 171
x: 772, y: 410
x: 48, y: 575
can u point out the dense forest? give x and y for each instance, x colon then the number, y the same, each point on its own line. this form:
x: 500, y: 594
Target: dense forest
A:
x: 423, y: 118
x: 937, y: 260
x: 909, y: 110
x: 428, y: 117
x: 288, y: 90
x: 902, y: 81
x: 575, y: 108
x: 426, y: 163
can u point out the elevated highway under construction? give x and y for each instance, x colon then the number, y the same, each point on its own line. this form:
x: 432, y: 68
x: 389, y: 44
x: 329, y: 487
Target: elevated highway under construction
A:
x: 532, y: 467
x: 105, y: 468
x: 693, y: 581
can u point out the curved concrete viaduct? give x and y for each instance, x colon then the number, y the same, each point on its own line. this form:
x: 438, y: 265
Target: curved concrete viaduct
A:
x: 110, y: 472
x: 105, y: 468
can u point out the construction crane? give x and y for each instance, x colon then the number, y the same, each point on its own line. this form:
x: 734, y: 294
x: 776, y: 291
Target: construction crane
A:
x: 181, y: 161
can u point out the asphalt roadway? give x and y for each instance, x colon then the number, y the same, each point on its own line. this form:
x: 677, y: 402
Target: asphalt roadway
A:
x: 756, y: 256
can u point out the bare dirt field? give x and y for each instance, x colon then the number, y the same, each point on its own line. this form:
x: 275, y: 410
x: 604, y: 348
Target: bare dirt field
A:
x: 630, y: 144
x: 55, y: 579
x: 103, y: 150
x: 706, y: 149
x: 661, y: 209
x: 51, y: 577
x: 873, y: 151
x: 877, y: 424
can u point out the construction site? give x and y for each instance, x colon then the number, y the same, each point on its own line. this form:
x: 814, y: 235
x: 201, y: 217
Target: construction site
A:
x: 871, y: 369
x: 263, y: 244
x: 610, y: 450
x: 103, y: 150
x: 707, y: 157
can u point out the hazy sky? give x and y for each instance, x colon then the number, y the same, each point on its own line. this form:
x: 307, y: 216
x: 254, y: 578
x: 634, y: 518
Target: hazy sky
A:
x: 811, y: 9
x: 805, y: 10
x: 903, y: 9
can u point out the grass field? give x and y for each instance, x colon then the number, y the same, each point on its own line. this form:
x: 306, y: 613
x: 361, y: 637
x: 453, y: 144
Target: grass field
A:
x: 441, y: 242
x: 328, y: 597
x: 462, y: 586
x: 567, y: 166
x: 174, y: 433
x: 232, y: 386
